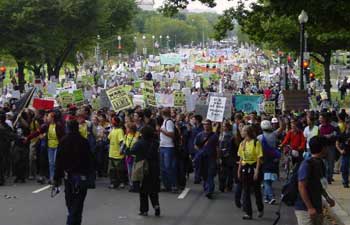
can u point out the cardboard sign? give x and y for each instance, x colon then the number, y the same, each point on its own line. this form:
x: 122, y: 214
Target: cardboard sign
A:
x: 179, y: 99
x: 138, y: 100
x: 149, y: 94
x: 269, y: 107
x: 201, y: 107
x: 43, y: 104
x: 119, y: 99
x: 66, y: 99
x: 51, y: 88
x: 295, y: 100
x: 216, y: 109
x: 104, y: 101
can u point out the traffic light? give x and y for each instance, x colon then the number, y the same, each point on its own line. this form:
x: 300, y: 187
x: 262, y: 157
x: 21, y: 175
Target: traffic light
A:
x: 306, y: 64
x: 347, y: 61
x: 312, y: 76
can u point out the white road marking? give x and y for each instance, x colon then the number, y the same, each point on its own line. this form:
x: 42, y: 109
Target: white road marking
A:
x: 42, y: 189
x: 184, y: 193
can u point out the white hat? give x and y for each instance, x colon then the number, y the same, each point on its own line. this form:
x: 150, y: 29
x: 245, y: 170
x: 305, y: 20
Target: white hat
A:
x: 274, y: 120
x: 265, y: 125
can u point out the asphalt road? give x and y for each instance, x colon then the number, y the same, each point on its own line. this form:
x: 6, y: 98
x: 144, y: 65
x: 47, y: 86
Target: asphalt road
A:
x: 119, y: 207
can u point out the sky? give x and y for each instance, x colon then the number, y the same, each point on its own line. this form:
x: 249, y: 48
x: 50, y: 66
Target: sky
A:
x: 197, y: 6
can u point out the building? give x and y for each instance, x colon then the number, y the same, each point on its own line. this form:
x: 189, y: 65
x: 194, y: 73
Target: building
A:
x: 147, y: 5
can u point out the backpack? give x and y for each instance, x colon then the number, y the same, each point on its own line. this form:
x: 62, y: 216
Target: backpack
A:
x: 290, y: 189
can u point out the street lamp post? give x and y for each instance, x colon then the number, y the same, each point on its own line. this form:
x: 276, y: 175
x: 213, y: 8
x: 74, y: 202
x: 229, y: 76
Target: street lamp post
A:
x: 98, y: 50
x: 119, y: 46
x: 303, y: 18
x: 167, y: 42
x: 160, y: 42
x: 153, y: 38
x: 135, y: 41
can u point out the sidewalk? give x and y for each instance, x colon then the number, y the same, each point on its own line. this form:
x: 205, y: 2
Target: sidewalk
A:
x: 341, y: 212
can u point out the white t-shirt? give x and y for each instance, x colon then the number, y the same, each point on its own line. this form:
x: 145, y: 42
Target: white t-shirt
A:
x: 165, y: 141
x: 308, y: 134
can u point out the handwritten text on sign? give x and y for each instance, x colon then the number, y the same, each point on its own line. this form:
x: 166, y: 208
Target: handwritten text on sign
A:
x: 216, y: 109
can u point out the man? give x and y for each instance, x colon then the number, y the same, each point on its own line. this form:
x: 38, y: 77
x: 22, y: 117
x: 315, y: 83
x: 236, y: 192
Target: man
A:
x: 207, y: 142
x: 343, y: 147
x: 167, y: 152
x: 74, y: 163
x: 311, y: 176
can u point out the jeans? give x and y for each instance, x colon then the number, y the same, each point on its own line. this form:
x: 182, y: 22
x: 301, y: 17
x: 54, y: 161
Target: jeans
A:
x: 345, y: 168
x: 168, y: 167
x: 226, y: 177
x: 52, y: 152
x: 196, y: 168
x: 208, y: 177
x: 74, y: 202
x: 330, y: 162
x: 129, y: 164
x: 268, y: 191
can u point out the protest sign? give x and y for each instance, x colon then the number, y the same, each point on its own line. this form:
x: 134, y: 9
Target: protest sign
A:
x: 164, y: 100
x: 119, y: 99
x: 43, y: 104
x: 269, y: 107
x: 247, y: 103
x: 148, y: 93
x: 295, y: 100
x: 216, y: 109
x: 138, y: 100
x: 66, y: 99
x: 51, y: 88
x: 104, y: 101
x: 201, y: 107
x: 78, y: 96
x: 179, y: 99
x: 175, y: 86
x: 88, y: 95
x: 95, y: 103
x: 170, y: 59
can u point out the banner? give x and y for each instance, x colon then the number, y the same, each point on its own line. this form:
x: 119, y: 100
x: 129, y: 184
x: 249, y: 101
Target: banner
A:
x: 43, y: 104
x: 216, y: 109
x: 164, y: 100
x: 78, y: 97
x: 149, y: 94
x: 269, y: 107
x: 248, y: 103
x: 119, y: 99
x: 170, y: 59
x: 179, y: 99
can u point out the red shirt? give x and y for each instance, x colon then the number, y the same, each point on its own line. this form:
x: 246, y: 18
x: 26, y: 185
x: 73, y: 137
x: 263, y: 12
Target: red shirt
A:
x: 296, y: 140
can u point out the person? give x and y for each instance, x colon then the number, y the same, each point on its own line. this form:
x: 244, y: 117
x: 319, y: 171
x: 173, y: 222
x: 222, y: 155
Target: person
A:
x: 167, y: 152
x: 310, y: 131
x: 146, y: 148
x: 343, y: 147
x: 311, y: 185
x: 269, y: 139
x: 116, y: 157
x: 195, y: 127
x: 6, y: 136
x: 250, y: 153
x: 74, y: 163
x: 206, y: 143
x: 226, y: 158
x: 295, y: 138
x: 328, y: 131
x: 129, y: 141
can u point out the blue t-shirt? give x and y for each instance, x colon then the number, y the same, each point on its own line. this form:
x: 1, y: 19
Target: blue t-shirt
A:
x: 302, y: 176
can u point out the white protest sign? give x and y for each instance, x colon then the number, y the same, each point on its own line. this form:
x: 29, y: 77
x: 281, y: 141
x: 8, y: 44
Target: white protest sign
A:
x: 216, y: 109
x: 51, y: 88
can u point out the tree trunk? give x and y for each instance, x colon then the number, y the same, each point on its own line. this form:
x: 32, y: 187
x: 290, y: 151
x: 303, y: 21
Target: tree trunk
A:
x: 21, y: 80
x: 327, y: 73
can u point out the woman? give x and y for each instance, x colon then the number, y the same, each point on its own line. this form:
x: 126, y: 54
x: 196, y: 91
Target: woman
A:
x: 146, y: 148
x: 250, y: 152
x: 129, y: 141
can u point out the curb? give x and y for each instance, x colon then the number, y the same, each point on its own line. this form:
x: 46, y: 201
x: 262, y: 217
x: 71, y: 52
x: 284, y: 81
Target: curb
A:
x: 338, y: 213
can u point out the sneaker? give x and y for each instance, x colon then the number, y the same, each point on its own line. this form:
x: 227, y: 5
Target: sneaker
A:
x: 111, y: 186
x: 346, y: 186
x: 247, y: 217
x: 266, y: 201
x: 272, y: 202
x: 260, y: 214
x: 122, y: 186
x: 209, y: 196
x: 143, y: 213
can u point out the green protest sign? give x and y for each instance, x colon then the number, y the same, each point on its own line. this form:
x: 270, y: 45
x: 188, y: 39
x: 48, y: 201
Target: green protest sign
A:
x: 269, y: 107
x: 148, y: 93
x: 78, y: 96
x: 179, y: 99
x: 119, y: 98
x: 66, y: 99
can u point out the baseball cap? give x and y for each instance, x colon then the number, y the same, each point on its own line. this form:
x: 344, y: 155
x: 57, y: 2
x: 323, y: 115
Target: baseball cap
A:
x: 274, y: 120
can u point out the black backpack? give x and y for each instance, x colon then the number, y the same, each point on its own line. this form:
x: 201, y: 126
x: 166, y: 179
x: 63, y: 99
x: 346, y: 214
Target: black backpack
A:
x: 290, y: 189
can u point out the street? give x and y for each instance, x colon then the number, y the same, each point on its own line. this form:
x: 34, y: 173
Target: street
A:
x: 110, y: 207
